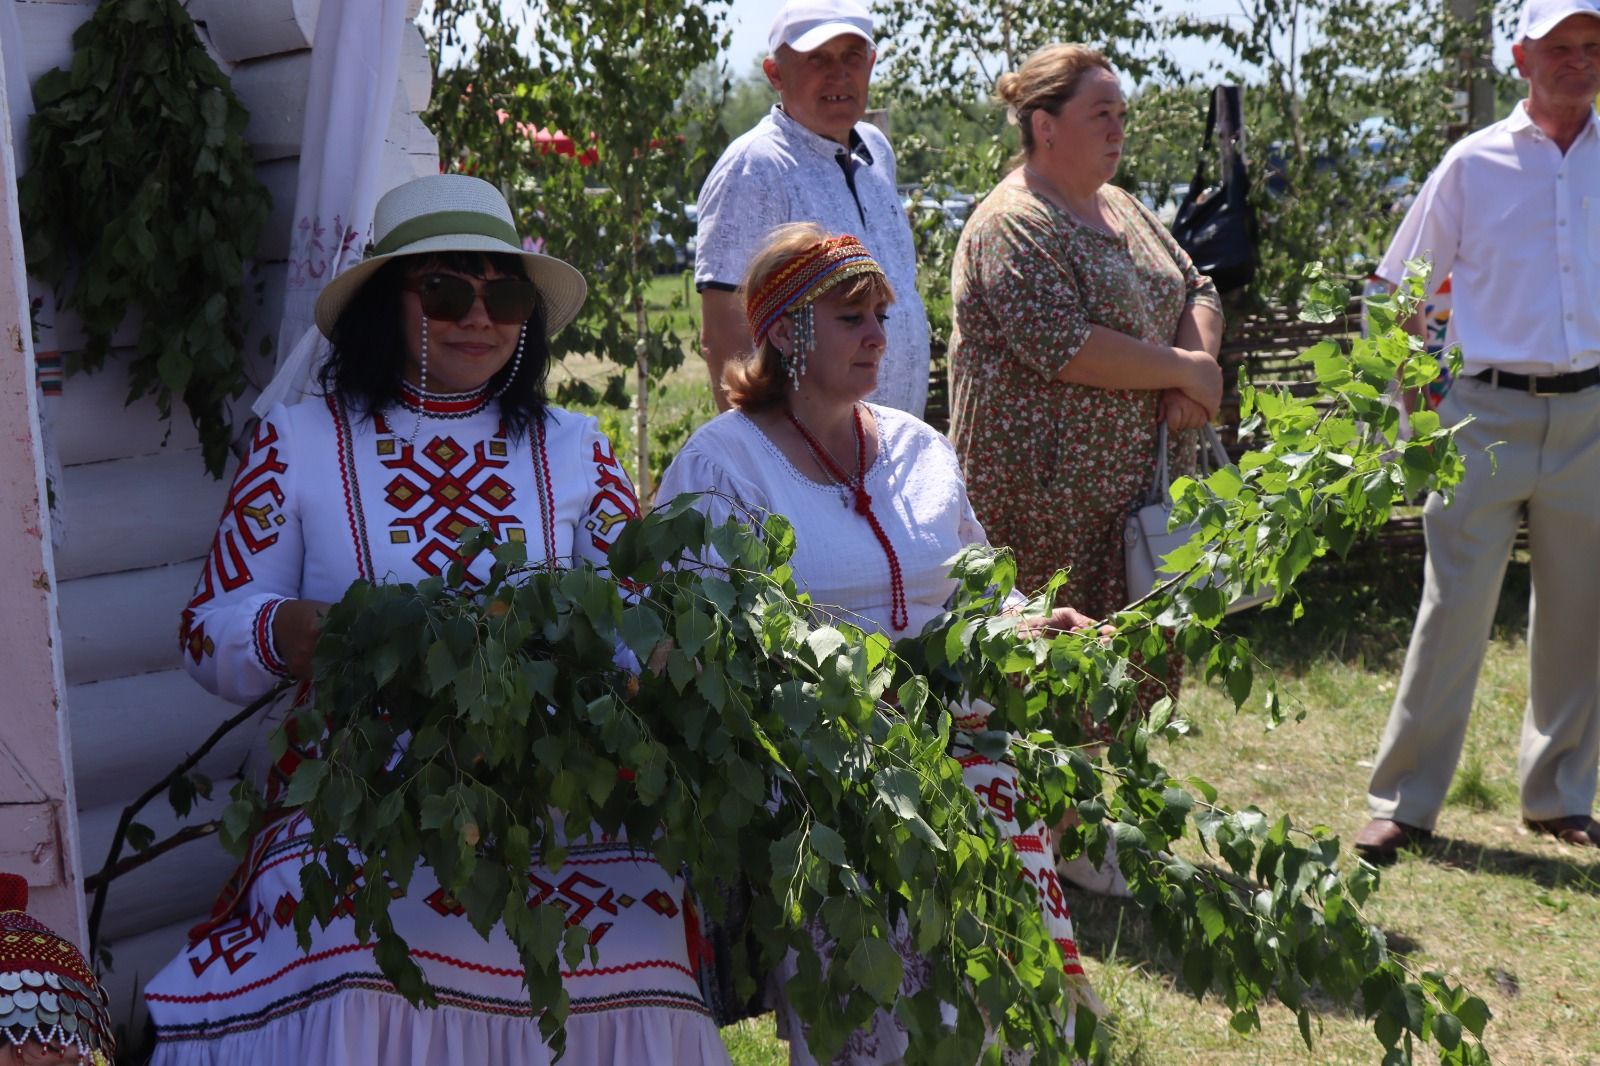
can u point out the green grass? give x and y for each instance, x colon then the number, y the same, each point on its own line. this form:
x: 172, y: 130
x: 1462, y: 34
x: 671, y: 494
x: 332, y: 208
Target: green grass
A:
x: 1509, y: 914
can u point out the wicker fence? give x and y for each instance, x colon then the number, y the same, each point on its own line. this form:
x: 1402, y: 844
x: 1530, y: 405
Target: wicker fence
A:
x: 1268, y: 345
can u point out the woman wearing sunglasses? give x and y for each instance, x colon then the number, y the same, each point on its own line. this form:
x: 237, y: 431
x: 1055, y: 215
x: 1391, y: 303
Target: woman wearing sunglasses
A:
x: 434, y: 421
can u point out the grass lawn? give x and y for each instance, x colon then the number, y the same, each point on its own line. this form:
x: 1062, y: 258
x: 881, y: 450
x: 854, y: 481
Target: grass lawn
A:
x: 1507, y: 913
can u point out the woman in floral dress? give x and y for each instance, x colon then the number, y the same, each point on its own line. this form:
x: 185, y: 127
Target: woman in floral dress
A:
x: 1079, y: 325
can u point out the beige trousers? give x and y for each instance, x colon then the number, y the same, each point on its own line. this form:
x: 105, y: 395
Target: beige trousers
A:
x: 1546, y: 460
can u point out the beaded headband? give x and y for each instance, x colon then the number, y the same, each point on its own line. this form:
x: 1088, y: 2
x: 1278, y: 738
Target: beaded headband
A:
x: 804, y: 279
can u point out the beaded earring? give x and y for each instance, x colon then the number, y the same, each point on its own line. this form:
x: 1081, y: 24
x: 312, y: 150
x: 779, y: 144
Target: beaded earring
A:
x: 804, y: 340
x: 422, y: 386
x: 516, y: 363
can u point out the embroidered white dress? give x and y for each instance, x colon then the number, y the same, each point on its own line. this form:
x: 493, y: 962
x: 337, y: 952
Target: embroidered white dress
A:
x: 323, y: 498
x: 920, y: 499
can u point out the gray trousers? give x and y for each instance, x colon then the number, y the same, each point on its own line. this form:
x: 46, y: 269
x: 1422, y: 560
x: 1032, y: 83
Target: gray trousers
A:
x: 1547, y: 461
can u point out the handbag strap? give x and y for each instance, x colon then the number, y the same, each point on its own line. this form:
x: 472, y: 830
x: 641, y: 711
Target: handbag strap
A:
x: 1161, y: 486
x: 1199, y: 181
x: 1210, y: 441
x: 1213, y: 456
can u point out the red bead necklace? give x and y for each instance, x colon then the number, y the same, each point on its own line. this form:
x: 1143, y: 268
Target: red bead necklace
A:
x: 857, y: 487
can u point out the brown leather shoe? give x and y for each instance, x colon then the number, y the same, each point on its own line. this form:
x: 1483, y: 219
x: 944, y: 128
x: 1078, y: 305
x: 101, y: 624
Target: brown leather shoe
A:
x: 1381, y: 839
x: 1579, y: 830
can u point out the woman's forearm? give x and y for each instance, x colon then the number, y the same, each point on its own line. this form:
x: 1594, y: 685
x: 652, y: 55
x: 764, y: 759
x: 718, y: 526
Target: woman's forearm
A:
x: 1199, y: 329
x: 1113, y: 360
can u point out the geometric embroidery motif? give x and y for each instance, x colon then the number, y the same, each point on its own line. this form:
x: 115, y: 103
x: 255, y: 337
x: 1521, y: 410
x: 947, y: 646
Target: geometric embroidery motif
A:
x: 251, y: 519
x: 614, y: 502
x: 229, y: 943
x: 442, y: 490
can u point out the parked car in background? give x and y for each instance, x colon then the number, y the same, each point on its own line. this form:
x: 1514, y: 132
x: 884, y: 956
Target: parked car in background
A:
x: 672, y: 255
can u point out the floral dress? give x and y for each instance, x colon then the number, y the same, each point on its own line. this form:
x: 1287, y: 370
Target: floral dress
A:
x: 1054, y: 468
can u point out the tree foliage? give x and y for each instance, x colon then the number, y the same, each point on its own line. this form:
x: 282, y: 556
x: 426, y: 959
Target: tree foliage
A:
x: 734, y: 689
x: 141, y: 198
x: 610, y: 75
x: 1348, y: 107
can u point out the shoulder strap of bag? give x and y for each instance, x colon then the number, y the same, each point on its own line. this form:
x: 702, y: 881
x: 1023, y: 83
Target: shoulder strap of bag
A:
x: 1213, y: 444
x: 1206, y: 144
x: 1161, y: 486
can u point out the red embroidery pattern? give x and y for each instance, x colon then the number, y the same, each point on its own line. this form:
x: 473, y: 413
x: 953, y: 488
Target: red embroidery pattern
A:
x: 352, y: 489
x: 614, y: 502
x: 443, y: 489
x: 229, y: 943
x: 249, y: 526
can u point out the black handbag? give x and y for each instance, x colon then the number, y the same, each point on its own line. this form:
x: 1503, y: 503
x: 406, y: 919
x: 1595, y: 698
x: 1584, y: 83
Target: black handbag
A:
x: 1215, y: 224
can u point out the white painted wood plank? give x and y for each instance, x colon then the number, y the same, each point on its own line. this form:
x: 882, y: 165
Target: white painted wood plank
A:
x: 128, y: 514
x: 35, y: 723
x: 93, y: 423
x: 128, y: 731
x: 118, y: 625
x: 135, y: 959
x: 248, y: 30
x: 30, y: 841
x: 416, y: 72
x: 274, y: 90
x: 280, y: 176
x: 47, y: 30
x: 182, y: 882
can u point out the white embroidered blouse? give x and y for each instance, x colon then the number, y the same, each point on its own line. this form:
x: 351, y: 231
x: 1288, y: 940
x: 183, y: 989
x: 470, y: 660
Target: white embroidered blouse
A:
x: 326, y: 496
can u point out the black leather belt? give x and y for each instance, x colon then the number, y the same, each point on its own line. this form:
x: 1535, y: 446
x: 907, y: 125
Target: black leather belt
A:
x: 1545, y: 386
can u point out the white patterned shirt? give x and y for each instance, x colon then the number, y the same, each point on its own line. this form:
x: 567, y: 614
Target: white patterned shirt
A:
x: 782, y: 172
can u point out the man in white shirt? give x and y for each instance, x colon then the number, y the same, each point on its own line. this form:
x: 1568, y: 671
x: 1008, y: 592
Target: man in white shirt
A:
x: 1512, y: 214
x: 812, y: 159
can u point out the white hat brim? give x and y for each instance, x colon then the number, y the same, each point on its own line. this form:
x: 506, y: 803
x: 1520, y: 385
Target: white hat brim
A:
x: 561, y: 287
x: 817, y: 36
x: 1550, y: 22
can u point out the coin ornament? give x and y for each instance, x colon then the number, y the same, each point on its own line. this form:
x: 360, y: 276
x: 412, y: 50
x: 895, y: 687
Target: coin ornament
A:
x: 48, y: 993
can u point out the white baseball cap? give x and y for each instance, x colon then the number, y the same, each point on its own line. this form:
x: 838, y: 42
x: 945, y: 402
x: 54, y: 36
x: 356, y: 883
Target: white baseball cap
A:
x: 807, y: 24
x: 1539, y: 17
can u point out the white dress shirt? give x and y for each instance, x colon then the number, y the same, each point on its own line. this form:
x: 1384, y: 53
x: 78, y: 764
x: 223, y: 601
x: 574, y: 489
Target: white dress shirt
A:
x: 1515, y: 224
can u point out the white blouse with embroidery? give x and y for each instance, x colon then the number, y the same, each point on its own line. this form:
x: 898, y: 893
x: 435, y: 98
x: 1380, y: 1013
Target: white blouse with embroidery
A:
x: 323, y: 498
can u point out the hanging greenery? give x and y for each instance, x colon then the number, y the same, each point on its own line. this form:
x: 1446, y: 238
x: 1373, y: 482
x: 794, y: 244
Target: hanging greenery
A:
x: 141, y: 198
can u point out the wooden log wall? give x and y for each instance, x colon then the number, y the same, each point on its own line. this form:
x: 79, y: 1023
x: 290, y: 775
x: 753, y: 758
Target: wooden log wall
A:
x: 139, y: 510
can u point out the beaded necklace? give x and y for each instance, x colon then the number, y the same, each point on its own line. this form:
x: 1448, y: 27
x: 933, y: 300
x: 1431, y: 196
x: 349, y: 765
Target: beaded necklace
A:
x: 856, y: 486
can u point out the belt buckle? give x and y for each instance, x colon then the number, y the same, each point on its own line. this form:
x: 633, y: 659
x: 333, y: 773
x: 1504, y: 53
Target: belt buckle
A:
x: 1533, y: 386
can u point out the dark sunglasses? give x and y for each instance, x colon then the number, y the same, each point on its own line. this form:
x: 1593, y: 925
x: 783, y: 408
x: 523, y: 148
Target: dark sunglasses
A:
x: 449, y: 297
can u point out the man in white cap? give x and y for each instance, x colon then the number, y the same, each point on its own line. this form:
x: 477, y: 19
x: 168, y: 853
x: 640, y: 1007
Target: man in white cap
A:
x: 812, y: 159
x: 1512, y: 215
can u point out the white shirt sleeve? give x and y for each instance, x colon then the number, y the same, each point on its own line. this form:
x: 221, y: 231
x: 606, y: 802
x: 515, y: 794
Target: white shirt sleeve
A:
x: 254, y: 566
x: 694, y: 470
x: 1431, y: 228
x: 739, y: 205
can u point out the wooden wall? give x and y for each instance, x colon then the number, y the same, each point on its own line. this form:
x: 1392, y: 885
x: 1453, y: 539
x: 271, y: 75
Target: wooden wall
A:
x: 139, y: 510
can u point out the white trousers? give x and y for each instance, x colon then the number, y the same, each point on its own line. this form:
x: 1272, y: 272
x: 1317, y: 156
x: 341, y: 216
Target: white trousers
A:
x: 1545, y: 460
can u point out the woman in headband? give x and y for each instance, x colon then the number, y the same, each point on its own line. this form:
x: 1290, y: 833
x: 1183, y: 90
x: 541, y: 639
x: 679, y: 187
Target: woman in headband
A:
x: 876, y: 499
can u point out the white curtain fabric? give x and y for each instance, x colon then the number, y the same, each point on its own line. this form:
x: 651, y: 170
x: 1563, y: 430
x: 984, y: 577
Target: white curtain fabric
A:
x: 355, y: 70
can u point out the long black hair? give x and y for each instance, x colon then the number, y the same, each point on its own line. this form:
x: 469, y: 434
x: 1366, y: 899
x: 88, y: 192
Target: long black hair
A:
x: 369, y: 345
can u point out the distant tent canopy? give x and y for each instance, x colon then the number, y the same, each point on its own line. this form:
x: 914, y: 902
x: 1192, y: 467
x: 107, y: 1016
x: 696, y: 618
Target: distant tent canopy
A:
x: 555, y: 141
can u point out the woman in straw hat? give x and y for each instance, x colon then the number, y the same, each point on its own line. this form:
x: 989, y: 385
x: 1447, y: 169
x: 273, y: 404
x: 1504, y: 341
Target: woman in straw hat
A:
x: 878, y: 506
x: 434, y: 421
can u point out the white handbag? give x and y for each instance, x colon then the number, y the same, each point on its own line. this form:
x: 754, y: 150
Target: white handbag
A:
x: 1146, y: 536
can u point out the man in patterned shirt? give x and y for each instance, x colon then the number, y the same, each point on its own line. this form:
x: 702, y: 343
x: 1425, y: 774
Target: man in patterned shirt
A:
x: 812, y: 159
